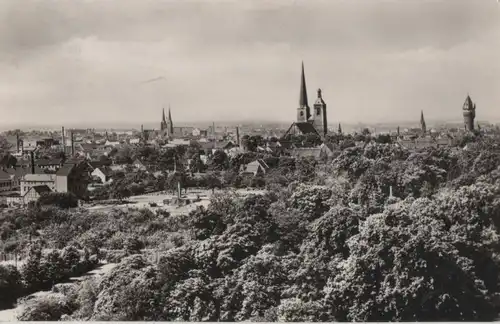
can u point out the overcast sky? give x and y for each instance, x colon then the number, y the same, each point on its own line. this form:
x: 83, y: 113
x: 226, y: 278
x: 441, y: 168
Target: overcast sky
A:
x: 87, y: 61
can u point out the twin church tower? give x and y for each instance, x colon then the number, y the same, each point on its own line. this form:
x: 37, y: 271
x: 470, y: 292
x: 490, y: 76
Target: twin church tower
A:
x: 308, y: 122
x: 318, y: 117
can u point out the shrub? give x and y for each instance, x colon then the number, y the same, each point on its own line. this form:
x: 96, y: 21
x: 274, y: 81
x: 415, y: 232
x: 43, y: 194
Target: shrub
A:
x: 11, y: 286
x: 45, y: 308
x: 132, y: 245
x: 59, y: 199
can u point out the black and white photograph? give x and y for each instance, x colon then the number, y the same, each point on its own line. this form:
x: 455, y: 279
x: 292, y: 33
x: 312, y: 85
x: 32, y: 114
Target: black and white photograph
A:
x: 250, y: 160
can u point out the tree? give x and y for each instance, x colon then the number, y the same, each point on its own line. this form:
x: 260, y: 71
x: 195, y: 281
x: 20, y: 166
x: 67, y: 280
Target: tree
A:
x: 212, y: 182
x: 403, y: 266
x: 11, y: 286
x: 8, y: 161
x: 63, y: 200
x: 219, y: 161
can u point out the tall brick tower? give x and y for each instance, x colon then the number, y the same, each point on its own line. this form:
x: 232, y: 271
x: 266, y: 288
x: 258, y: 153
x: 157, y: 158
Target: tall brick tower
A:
x: 469, y: 111
x: 319, y: 115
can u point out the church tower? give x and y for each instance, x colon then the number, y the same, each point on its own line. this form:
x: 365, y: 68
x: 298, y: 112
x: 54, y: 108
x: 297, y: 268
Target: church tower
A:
x: 319, y: 117
x: 469, y: 109
x: 163, y: 124
x: 167, y: 125
x: 170, y: 123
x: 423, y: 127
x: 303, y: 112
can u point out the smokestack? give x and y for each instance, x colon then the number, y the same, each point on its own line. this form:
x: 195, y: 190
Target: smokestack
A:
x: 238, y: 136
x: 179, y: 189
x: 17, y: 141
x: 72, y: 144
x: 32, y: 156
x: 390, y: 191
x: 63, y: 141
x: 213, y: 133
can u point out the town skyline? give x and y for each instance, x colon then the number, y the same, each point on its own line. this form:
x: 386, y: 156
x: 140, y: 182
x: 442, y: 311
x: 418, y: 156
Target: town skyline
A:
x: 103, y: 68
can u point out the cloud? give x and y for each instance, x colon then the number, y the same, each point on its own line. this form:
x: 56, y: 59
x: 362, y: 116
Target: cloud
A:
x: 375, y: 60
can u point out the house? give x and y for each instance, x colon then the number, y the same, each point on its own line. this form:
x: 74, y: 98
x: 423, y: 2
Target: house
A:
x: 235, y: 151
x: 134, y: 140
x: 13, y: 200
x: 102, y: 173
x: 49, y: 164
x: 32, y: 180
x: 5, y: 181
x: 257, y: 167
x: 73, y: 178
x: 317, y: 153
x: 16, y: 175
x: 139, y: 165
x: 111, y: 144
x: 69, y: 178
x: 34, y: 193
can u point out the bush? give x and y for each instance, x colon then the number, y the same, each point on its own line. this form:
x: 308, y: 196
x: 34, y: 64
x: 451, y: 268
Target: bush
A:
x: 114, y: 256
x: 133, y: 245
x: 45, y: 308
x: 11, y: 286
x: 59, y: 199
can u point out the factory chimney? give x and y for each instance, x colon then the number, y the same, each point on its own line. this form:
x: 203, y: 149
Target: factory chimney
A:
x: 238, y: 136
x: 17, y: 141
x: 72, y: 144
x: 32, y: 156
x: 63, y: 141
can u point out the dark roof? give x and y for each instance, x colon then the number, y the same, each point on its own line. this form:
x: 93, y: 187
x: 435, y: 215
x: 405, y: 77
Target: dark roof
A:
x: 306, y: 128
x: 4, y: 175
x: 303, y: 93
x: 286, y: 144
x: 42, y: 189
x: 468, y: 105
x: 65, y: 170
x: 18, y: 172
x: 46, y: 162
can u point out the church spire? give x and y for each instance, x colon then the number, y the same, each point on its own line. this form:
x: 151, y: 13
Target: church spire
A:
x: 163, y: 115
x: 303, y: 94
x: 422, y: 122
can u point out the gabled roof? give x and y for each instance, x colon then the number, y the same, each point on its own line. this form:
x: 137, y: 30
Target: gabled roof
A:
x: 41, y: 189
x: 304, y: 128
x: 17, y: 172
x: 48, y: 162
x: 105, y: 170
x: 4, y: 175
x: 254, y: 167
x: 39, y: 177
x: 65, y: 170
x: 306, y: 152
x: 468, y: 105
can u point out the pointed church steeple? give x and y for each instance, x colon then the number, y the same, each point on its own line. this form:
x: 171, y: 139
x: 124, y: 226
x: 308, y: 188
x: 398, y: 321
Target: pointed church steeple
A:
x: 163, y: 115
x: 422, y: 122
x: 303, y: 94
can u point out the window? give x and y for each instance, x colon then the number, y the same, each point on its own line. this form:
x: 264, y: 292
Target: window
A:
x: 318, y: 111
x: 301, y: 113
